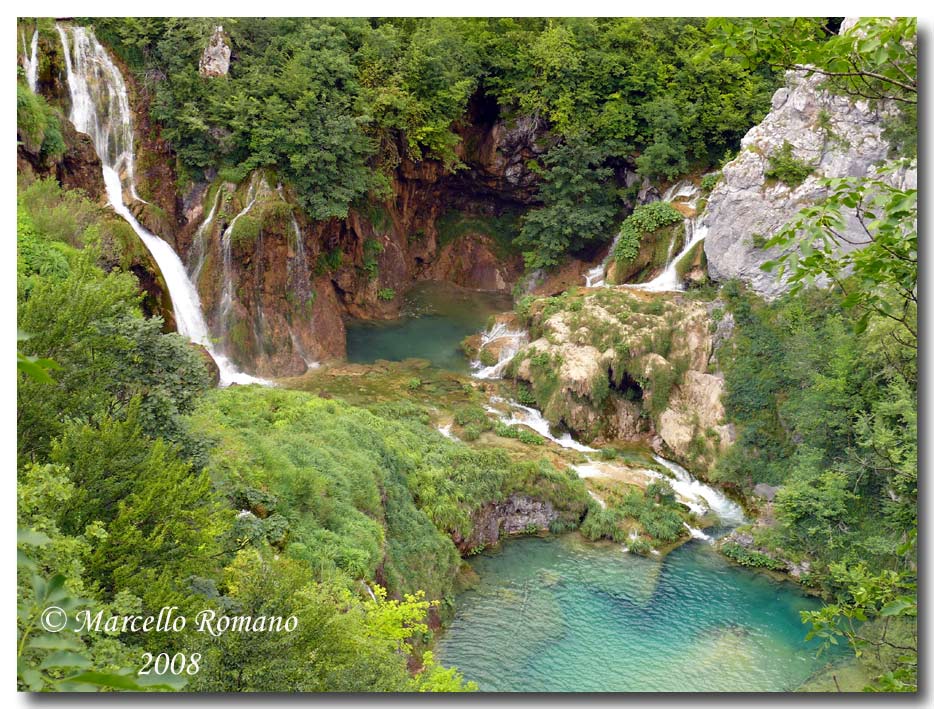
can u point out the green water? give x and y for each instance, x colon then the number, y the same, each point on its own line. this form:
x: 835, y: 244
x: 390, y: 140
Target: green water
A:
x: 560, y: 614
x: 435, y: 318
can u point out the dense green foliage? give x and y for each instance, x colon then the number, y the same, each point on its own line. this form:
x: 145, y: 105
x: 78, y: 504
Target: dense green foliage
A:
x: 640, y: 519
x: 139, y: 488
x: 38, y: 125
x: 579, y: 206
x: 335, y: 105
x: 351, y: 492
x: 827, y: 410
x: 127, y: 508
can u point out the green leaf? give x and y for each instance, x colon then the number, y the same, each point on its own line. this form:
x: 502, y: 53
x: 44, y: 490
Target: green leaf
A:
x: 898, y: 607
x: 65, y: 658
x: 31, y: 537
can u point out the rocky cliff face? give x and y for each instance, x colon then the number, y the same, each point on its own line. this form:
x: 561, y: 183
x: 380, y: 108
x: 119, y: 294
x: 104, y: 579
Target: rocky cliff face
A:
x: 215, y: 60
x: 518, y: 514
x: 837, y: 136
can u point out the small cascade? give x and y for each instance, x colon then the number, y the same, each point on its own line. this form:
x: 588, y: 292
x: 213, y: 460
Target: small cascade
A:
x: 697, y: 533
x: 518, y: 414
x: 369, y: 591
x: 511, y: 339
x: 595, y: 277
x: 699, y: 497
x: 31, y: 59
x: 445, y: 431
x: 101, y: 109
x: 668, y: 279
x: 198, y: 252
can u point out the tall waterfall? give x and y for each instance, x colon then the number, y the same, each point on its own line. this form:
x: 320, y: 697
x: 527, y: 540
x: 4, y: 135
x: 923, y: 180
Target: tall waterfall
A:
x: 100, y: 107
x: 31, y: 59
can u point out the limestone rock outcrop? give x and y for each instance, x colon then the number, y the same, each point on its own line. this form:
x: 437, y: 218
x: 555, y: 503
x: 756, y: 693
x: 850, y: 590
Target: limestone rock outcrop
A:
x: 215, y: 60
x: 517, y: 514
x: 621, y: 364
x: 837, y: 136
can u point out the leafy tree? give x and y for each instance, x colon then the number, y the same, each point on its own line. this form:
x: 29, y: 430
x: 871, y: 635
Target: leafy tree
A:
x: 578, y: 209
x: 877, y: 270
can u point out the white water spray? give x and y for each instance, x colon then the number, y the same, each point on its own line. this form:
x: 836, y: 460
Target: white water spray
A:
x: 668, y: 279
x: 31, y: 59
x: 510, y: 341
x: 518, y: 414
x: 101, y: 109
x: 225, y: 306
x: 699, y: 497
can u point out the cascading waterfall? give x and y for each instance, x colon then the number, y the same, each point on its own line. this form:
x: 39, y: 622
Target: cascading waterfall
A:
x: 511, y: 340
x: 700, y: 497
x: 31, y: 59
x: 668, y: 279
x: 520, y: 414
x: 100, y: 108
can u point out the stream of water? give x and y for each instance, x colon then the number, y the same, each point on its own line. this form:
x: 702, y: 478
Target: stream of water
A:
x: 31, y: 59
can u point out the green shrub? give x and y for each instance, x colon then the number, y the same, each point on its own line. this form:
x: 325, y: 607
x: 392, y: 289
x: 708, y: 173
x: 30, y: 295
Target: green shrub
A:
x: 708, y: 182
x: 246, y: 230
x: 750, y: 557
x: 640, y: 546
x: 525, y: 395
x: 784, y: 167
x: 471, y: 414
x: 386, y: 294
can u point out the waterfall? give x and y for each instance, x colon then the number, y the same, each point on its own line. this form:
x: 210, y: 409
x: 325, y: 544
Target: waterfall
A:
x: 699, y: 497
x: 668, y: 279
x: 199, y: 249
x: 31, y: 59
x: 100, y: 108
x: 309, y: 362
x: 517, y: 413
x: 512, y: 341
